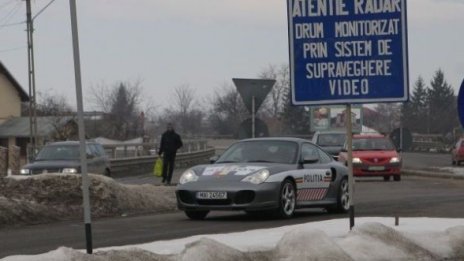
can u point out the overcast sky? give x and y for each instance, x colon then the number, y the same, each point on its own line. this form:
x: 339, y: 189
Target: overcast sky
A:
x: 202, y: 43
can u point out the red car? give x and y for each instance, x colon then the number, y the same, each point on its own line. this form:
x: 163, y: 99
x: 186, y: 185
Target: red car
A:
x: 374, y: 156
x: 457, y: 154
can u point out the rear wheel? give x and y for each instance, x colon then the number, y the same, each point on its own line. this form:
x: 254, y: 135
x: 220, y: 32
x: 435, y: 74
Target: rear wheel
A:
x: 386, y: 178
x: 397, y: 178
x: 287, y: 199
x: 343, y: 199
x: 196, y: 215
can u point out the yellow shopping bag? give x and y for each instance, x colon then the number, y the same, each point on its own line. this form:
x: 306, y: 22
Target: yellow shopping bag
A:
x: 158, y: 168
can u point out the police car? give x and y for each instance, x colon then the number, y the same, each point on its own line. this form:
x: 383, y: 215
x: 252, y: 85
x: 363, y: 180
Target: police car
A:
x: 265, y: 175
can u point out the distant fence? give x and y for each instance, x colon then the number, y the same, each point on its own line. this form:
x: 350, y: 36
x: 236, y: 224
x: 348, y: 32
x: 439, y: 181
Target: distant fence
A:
x: 429, y: 143
x: 129, y: 159
x: 144, y: 164
x: 14, y: 160
x: 3, y: 161
x: 130, y: 150
x: 9, y: 160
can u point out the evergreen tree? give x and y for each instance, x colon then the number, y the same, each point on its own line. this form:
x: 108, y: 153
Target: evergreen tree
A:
x: 442, y: 105
x: 123, y: 114
x: 415, y: 112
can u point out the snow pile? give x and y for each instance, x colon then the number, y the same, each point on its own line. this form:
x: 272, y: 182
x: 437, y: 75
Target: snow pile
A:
x: 372, y: 239
x: 49, y: 197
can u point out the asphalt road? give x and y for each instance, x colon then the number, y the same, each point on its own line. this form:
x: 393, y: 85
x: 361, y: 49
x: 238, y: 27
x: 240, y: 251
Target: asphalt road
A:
x: 412, y: 197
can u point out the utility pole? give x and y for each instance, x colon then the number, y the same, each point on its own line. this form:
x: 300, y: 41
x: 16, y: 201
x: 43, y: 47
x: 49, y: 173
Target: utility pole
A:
x: 31, y: 77
x: 80, y: 117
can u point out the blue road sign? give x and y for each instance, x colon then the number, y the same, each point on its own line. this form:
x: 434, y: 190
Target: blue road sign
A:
x: 348, y: 51
x: 461, y: 103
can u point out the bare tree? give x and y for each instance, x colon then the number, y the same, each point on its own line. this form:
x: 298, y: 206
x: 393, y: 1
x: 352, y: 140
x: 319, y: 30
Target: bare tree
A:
x: 390, y: 117
x: 275, y: 100
x: 227, y: 111
x: 182, y: 111
x: 183, y: 99
x: 50, y: 105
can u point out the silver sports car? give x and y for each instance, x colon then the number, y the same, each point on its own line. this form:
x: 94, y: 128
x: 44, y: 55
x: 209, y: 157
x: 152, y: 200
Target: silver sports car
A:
x: 265, y: 175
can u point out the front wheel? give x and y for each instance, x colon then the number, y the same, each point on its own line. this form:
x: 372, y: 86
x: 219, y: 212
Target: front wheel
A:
x: 343, y: 199
x: 287, y: 200
x: 196, y: 215
x: 386, y: 178
x: 397, y: 178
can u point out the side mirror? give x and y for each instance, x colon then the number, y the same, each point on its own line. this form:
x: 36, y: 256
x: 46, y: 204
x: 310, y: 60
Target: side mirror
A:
x: 399, y: 150
x: 310, y: 159
x: 344, y: 150
x: 213, y: 159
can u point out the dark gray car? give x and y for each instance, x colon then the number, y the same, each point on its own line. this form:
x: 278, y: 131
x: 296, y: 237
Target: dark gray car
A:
x: 64, y: 157
x: 330, y: 141
x: 275, y: 175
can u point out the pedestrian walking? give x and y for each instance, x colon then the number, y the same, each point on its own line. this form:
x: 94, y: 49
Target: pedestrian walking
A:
x: 170, y: 143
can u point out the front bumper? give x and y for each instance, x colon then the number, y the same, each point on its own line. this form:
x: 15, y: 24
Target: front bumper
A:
x: 366, y: 170
x: 240, y: 196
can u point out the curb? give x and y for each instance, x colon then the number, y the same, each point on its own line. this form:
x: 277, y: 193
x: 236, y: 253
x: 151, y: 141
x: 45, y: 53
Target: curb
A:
x: 429, y: 173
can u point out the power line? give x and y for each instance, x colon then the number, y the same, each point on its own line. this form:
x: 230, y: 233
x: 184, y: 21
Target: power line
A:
x: 10, y: 15
x: 6, y: 4
x: 43, y: 9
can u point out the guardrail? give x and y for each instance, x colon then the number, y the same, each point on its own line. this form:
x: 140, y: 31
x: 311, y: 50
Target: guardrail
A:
x: 126, y: 150
x: 133, y: 166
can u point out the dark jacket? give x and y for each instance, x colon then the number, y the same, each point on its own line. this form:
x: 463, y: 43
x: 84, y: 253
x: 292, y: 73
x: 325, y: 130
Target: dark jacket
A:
x: 170, y: 143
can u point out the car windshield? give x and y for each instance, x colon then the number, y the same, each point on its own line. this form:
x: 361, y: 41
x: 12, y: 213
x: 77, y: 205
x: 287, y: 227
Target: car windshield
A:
x: 59, y: 152
x: 331, y: 139
x: 372, y: 144
x: 261, y: 151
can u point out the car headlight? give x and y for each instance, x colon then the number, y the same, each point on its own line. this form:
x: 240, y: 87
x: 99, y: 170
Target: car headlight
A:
x: 357, y: 160
x: 188, y: 176
x: 25, y: 172
x: 70, y: 170
x: 395, y: 160
x: 257, y: 178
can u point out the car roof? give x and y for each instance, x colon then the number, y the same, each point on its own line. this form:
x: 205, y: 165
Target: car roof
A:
x: 368, y: 136
x: 330, y: 132
x: 298, y: 140
x: 68, y: 143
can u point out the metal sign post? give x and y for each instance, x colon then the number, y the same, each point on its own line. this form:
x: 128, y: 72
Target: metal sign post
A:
x: 253, y: 93
x: 80, y: 116
x: 349, y: 142
x: 461, y: 103
x: 253, y: 117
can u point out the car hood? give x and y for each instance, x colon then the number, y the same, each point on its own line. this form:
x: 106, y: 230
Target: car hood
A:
x: 375, y: 154
x: 237, y: 171
x: 46, y: 164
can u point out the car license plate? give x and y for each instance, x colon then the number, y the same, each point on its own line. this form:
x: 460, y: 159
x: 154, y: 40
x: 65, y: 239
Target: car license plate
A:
x: 212, y: 195
x: 376, y: 168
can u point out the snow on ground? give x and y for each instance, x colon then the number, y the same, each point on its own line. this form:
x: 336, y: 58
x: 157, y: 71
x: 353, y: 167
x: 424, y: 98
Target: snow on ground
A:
x: 371, y: 239
x: 49, y: 197
x: 455, y: 170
